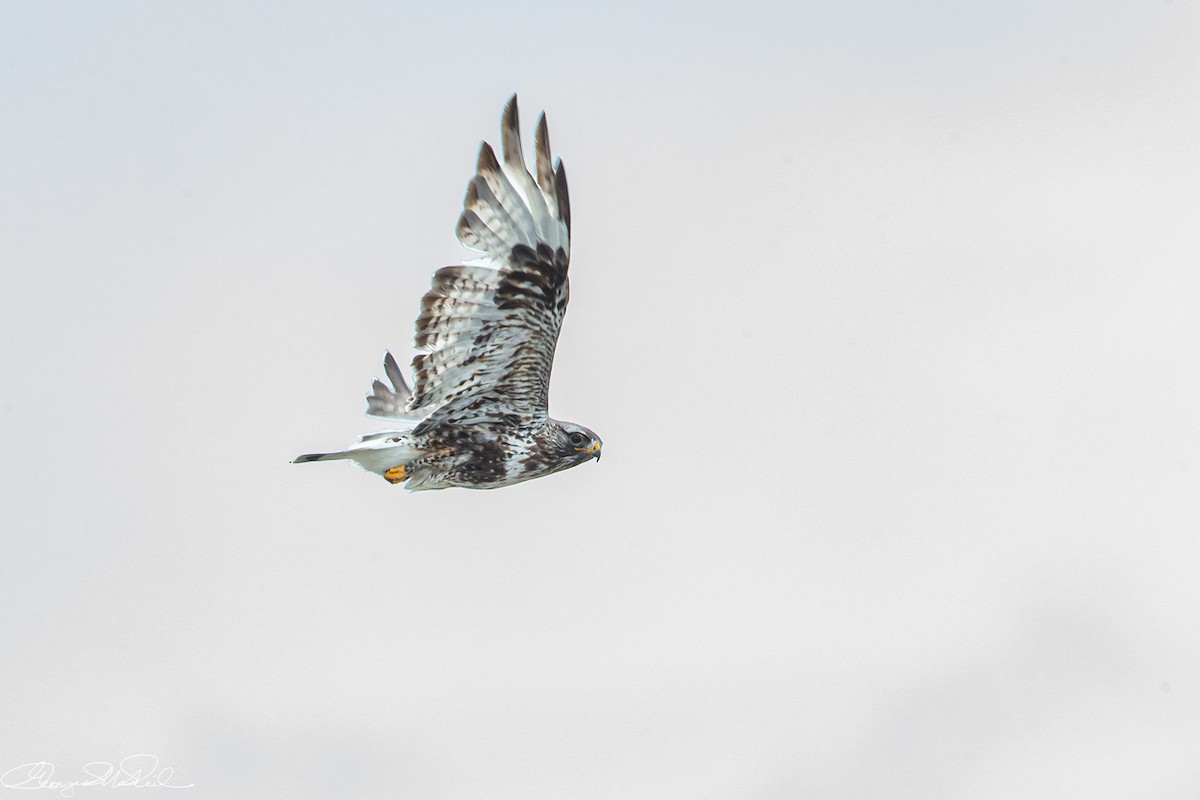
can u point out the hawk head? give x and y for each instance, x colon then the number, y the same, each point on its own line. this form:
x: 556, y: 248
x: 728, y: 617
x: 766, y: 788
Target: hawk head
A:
x: 574, y: 444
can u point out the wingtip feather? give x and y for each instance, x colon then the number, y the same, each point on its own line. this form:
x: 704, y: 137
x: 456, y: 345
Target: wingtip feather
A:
x: 562, y: 195
x: 392, y: 369
x: 510, y: 137
x: 487, y: 161
x: 541, y: 150
x: 510, y: 112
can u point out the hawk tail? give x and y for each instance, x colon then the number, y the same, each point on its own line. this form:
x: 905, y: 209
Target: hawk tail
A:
x: 375, y: 452
x: 307, y: 457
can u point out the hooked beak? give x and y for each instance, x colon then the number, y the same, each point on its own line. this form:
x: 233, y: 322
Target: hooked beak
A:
x: 594, y: 450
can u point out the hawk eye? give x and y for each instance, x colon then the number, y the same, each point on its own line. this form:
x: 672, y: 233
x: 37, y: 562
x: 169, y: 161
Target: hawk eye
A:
x: 578, y: 439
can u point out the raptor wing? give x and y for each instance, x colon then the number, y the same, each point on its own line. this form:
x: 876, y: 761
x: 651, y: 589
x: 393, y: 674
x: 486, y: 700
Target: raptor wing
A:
x: 488, y: 329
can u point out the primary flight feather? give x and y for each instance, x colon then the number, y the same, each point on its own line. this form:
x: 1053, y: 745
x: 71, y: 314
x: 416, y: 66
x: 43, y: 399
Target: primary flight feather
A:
x: 477, y: 416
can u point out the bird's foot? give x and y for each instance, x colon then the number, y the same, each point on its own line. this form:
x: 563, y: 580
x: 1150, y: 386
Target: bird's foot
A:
x: 396, y: 475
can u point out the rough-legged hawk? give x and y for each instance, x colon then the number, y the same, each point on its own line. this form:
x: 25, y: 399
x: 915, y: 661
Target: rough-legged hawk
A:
x: 477, y: 416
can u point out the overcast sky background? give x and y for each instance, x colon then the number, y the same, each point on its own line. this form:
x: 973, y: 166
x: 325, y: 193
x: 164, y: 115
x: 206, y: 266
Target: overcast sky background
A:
x: 886, y: 312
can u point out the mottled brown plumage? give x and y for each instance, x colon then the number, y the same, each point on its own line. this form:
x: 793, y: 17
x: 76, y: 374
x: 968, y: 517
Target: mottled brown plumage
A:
x: 477, y: 413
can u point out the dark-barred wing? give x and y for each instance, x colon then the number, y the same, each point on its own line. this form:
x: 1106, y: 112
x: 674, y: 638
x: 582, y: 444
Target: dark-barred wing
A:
x: 488, y: 329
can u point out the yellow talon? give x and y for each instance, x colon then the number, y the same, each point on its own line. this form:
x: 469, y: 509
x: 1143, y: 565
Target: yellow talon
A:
x: 396, y: 475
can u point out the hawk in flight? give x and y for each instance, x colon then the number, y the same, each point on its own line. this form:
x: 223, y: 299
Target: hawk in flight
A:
x: 476, y: 416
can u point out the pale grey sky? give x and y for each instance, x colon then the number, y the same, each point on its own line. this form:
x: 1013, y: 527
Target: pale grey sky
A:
x: 886, y: 314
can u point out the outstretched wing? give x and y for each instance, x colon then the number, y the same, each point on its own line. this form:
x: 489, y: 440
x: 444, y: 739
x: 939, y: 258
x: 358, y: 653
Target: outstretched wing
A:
x: 389, y: 402
x: 488, y: 329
